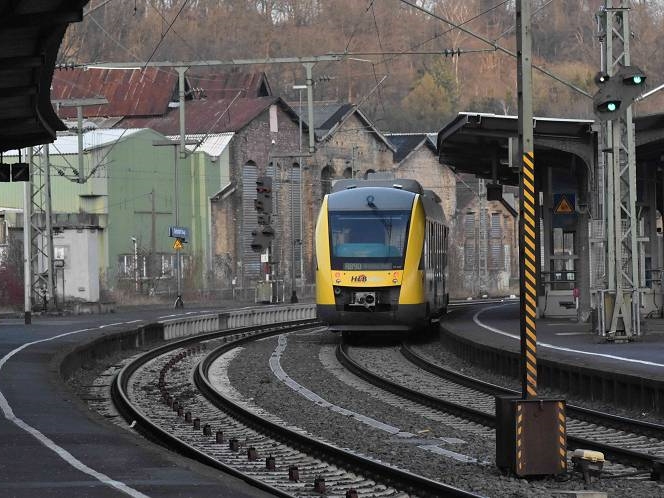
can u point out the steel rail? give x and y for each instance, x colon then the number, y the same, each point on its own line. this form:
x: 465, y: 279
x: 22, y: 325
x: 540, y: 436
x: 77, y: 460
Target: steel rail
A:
x: 153, y: 432
x: 398, y: 478
x: 649, y: 429
x: 622, y: 455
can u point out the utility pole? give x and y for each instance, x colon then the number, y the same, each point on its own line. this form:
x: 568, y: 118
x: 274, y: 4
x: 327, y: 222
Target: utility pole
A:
x: 38, y: 222
x: 79, y: 104
x: 619, y: 303
x: 27, y: 245
x: 530, y: 431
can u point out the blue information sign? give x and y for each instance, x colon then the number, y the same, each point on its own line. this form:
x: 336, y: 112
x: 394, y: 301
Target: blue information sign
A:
x: 178, y: 232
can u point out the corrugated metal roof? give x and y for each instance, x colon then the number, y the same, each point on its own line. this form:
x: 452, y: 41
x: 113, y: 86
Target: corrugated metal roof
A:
x: 218, y: 86
x: 212, y: 144
x: 68, y: 144
x: 130, y: 92
x: 206, y: 116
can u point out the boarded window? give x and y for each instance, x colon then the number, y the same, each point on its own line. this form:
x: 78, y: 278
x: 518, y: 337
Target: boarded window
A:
x: 469, y: 225
x: 469, y: 256
x: 496, y: 261
x: 496, y: 229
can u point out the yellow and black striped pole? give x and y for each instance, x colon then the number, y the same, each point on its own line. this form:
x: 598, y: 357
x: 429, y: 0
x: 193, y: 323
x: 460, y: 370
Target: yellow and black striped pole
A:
x: 528, y: 229
x: 535, y: 426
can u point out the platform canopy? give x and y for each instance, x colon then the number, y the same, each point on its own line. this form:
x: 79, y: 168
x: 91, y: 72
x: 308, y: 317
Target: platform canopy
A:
x: 479, y: 143
x: 30, y: 35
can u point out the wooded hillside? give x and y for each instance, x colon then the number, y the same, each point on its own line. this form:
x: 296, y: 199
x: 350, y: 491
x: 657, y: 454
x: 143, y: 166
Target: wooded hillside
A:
x: 422, y: 90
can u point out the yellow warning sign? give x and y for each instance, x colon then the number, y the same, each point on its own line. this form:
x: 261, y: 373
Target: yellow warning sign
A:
x: 563, y: 204
x: 177, y: 245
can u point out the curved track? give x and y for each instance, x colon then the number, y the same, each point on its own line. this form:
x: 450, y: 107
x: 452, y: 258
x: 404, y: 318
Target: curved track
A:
x: 623, y: 440
x: 230, y: 437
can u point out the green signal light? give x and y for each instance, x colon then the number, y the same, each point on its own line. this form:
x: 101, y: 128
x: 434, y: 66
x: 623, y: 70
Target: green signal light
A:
x: 611, y: 106
x: 637, y: 79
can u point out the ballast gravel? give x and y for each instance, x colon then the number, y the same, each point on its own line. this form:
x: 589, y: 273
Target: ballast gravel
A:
x: 306, y: 361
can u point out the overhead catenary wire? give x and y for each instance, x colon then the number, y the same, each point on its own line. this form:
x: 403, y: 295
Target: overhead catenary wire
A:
x: 373, y: 66
x: 163, y: 36
x: 495, y: 46
x: 435, y: 37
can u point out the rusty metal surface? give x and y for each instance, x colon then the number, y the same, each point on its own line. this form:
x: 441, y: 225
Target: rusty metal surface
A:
x: 528, y: 436
x: 130, y: 92
x: 205, y: 116
x: 217, y: 85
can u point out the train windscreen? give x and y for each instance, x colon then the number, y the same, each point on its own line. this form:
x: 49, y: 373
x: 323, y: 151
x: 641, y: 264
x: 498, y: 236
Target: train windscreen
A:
x: 368, y: 240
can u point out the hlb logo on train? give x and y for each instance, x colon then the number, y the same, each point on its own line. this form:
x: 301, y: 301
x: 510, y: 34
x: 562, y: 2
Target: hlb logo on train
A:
x: 358, y: 278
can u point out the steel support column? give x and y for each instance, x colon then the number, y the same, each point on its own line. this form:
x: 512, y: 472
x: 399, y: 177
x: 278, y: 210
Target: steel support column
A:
x: 41, y: 233
x: 620, y: 304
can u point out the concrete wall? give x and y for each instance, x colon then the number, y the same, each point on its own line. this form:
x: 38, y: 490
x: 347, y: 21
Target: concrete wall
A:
x: 80, y: 250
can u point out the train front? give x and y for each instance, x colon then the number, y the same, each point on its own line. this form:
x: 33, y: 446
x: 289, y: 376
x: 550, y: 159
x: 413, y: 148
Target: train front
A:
x: 369, y: 244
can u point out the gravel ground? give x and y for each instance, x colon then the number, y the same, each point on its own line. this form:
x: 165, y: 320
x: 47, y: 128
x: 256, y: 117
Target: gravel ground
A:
x: 435, y: 350
x: 302, y: 361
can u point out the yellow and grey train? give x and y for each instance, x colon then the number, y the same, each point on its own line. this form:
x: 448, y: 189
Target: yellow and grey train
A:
x: 381, y: 256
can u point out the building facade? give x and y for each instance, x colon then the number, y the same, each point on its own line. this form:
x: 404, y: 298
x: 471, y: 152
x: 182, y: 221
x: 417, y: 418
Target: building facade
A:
x: 124, y: 200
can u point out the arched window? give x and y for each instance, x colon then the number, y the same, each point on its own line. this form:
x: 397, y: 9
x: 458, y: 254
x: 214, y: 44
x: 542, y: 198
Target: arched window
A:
x: 326, y: 175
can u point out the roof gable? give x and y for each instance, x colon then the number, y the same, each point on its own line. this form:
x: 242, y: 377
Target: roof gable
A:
x: 206, y: 116
x: 405, y: 144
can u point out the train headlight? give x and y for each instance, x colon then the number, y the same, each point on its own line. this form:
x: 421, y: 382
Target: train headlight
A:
x: 337, y: 291
x: 369, y: 299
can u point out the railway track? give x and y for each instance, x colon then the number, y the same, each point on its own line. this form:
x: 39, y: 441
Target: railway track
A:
x: 630, y: 442
x: 168, y: 396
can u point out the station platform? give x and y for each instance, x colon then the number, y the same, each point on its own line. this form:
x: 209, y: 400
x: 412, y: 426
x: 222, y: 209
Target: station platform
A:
x: 563, y: 340
x: 53, y: 446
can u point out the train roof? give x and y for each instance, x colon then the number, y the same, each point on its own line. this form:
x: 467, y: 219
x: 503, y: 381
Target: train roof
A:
x: 352, y: 195
x: 397, y: 183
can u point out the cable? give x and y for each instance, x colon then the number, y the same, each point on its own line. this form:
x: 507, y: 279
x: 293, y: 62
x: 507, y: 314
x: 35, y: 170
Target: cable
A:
x: 373, y: 66
x: 108, y: 35
x: 495, y: 46
x: 357, y: 24
x: 163, y: 36
x: 435, y: 37
x: 182, y: 39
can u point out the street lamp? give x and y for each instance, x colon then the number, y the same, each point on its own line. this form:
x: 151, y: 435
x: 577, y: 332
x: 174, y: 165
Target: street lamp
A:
x: 179, y: 303
x: 299, y: 88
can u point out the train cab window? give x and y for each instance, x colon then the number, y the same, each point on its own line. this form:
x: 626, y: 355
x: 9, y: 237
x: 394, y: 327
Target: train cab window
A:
x: 367, y: 240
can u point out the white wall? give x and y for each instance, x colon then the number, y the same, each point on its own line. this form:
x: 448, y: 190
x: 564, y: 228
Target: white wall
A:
x: 79, y: 247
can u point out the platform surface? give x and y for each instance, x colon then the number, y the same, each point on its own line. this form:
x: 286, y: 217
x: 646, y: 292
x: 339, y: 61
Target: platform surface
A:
x: 566, y: 340
x: 53, y: 446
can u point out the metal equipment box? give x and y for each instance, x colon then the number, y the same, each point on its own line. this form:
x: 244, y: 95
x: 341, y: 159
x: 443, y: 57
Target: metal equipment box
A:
x: 531, y: 436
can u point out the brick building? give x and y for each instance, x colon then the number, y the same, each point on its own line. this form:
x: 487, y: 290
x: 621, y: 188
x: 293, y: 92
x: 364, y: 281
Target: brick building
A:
x: 484, y: 242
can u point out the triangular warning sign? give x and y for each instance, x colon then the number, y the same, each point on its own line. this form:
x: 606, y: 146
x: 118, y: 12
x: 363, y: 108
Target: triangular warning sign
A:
x: 564, y: 206
x: 177, y: 245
